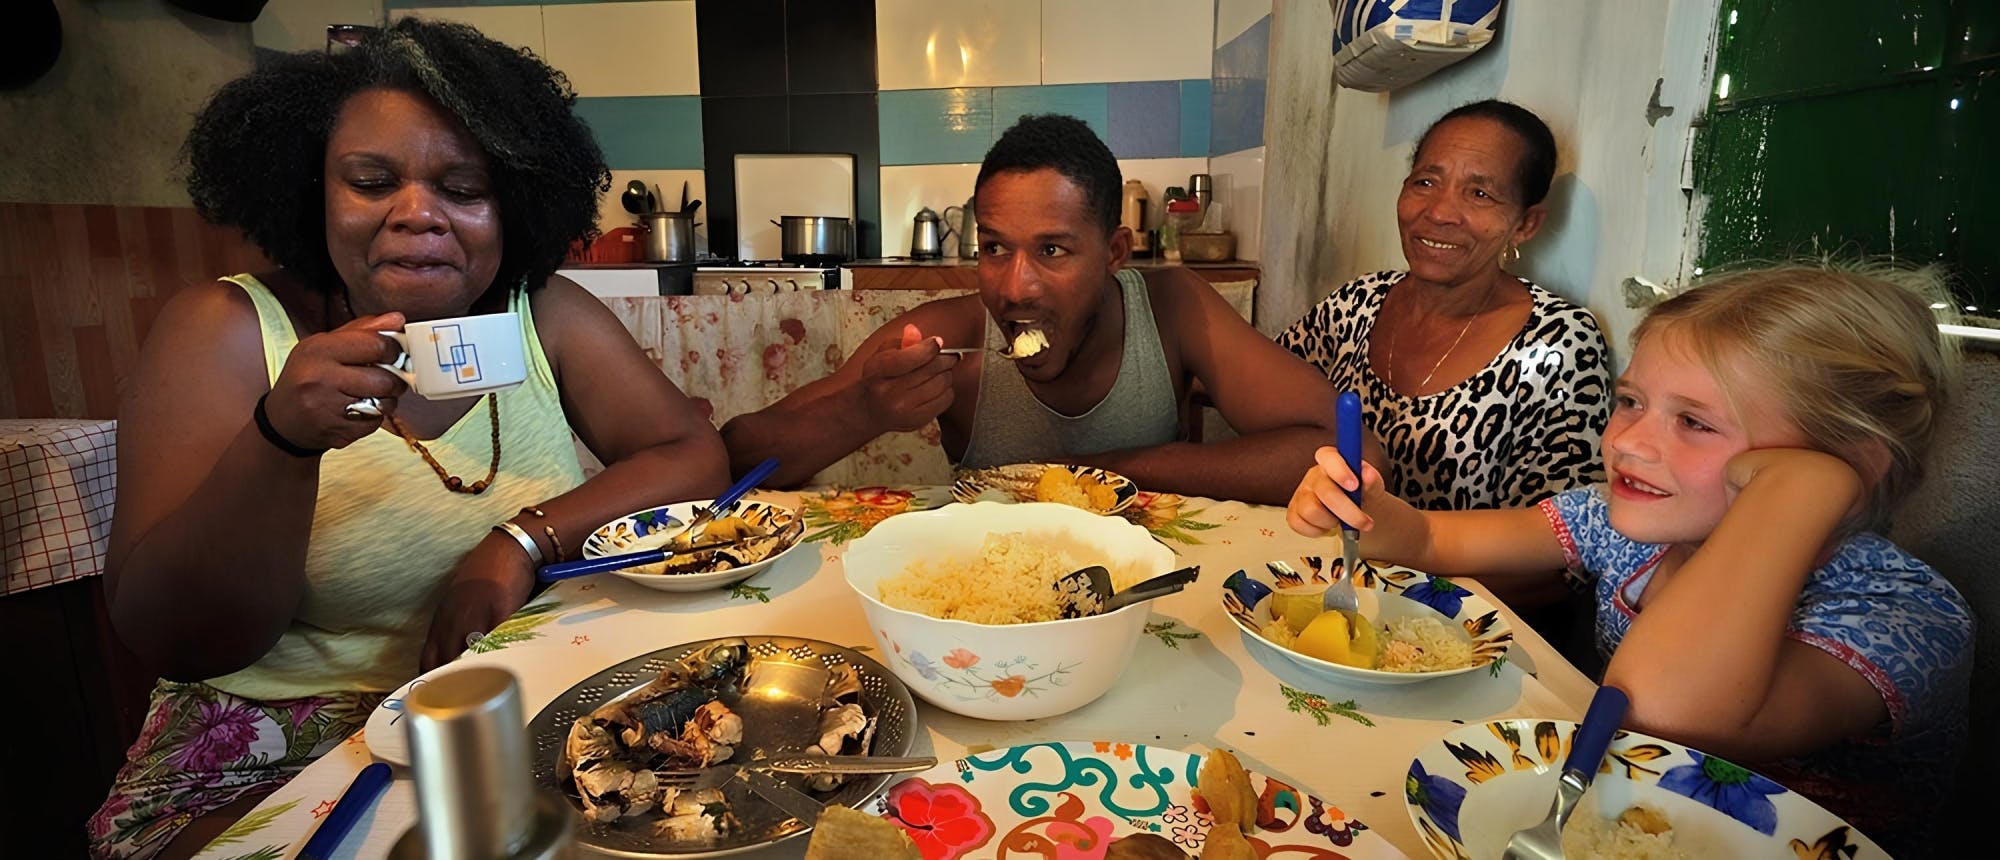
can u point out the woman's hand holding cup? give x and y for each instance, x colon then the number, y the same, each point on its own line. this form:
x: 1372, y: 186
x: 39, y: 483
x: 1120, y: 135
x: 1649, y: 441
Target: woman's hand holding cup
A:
x: 328, y: 373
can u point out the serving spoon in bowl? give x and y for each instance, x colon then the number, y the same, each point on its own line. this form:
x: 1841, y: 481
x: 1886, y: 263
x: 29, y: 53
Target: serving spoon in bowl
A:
x: 1087, y: 592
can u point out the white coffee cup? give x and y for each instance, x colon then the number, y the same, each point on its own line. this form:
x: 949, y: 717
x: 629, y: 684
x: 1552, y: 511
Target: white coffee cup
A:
x: 461, y: 356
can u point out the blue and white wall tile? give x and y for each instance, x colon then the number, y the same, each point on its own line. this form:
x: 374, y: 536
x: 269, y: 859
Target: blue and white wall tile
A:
x: 1125, y: 40
x: 624, y: 49
x: 1242, y: 74
x: 936, y: 126
x: 1232, y: 17
x: 1137, y: 119
x: 942, y: 44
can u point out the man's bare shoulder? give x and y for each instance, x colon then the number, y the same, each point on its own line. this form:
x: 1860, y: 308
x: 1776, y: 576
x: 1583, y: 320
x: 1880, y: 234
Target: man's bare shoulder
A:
x: 1180, y: 295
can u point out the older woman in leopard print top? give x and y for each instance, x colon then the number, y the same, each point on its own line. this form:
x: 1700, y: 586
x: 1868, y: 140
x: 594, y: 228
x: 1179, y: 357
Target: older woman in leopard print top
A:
x: 1485, y: 389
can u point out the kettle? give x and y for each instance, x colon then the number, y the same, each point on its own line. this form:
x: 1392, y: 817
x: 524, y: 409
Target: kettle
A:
x: 927, y: 236
x: 968, y: 230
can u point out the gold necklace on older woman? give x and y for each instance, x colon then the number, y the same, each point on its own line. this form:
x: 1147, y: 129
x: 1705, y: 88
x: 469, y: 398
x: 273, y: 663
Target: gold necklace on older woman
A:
x: 1389, y: 361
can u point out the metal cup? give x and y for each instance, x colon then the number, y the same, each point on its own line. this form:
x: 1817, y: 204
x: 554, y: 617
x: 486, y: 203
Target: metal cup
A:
x: 476, y: 798
x: 1201, y: 187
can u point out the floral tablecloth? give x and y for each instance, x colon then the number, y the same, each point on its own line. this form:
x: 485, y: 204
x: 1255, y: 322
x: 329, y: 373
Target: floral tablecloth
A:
x: 1191, y: 686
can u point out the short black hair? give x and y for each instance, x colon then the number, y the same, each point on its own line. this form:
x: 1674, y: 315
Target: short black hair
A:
x: 257, y: 152
x: 1068, y: 146
x: 1537, y: 167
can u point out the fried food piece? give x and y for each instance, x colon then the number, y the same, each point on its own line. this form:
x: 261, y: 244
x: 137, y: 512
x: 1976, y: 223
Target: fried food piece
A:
x: 1225, y: 787
x: 1227, y: 844
x: 1646, y: 819
x: 1144, y: 846
x: 848, y: 834
x: 719, y: 530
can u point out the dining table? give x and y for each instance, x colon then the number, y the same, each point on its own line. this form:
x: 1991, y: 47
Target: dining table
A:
x: 1193, y: 684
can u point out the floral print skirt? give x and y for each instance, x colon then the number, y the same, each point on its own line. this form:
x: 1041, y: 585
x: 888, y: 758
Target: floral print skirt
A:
x: 202, y: 749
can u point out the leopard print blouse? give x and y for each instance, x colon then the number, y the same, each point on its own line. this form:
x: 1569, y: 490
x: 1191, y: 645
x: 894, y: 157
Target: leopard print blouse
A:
x: 1523, y: 428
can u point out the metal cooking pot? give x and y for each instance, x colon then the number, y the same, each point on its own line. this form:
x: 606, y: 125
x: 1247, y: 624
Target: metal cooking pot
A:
x: 815, y: 239
x: 669, y: 237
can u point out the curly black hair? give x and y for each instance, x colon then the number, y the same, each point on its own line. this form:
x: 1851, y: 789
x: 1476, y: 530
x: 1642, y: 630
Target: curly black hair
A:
x: 1067, y: 145
x: 1537, y: 167
x: 257, y: 152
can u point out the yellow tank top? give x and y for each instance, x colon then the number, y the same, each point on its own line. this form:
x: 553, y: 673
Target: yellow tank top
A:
x: 386, y: 534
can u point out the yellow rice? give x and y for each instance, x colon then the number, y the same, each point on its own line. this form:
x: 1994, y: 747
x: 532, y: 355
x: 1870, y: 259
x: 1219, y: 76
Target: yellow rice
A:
x: 1011, y: 581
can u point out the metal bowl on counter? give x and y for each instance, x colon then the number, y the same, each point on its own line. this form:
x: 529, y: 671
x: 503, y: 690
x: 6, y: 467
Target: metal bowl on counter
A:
x: 815, y: 240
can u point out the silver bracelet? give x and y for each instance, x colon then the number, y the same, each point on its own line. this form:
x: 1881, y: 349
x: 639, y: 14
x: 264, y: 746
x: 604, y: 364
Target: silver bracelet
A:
x: 527, y: 543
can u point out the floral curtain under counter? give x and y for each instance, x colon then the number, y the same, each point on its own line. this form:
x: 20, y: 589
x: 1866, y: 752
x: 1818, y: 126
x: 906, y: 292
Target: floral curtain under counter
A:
x: 738, y: 354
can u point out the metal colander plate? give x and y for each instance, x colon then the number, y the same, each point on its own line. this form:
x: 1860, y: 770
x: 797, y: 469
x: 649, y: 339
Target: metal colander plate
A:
x: 882, y: 697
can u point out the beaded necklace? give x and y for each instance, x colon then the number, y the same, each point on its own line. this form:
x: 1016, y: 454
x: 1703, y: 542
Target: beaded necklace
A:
x: 451, y: 482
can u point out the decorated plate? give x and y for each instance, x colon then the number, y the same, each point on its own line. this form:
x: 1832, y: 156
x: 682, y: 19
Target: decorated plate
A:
x: 649, y: 529
x: 385, y: 733
x: 1086, y: 487
x: 1469, y: 791
x: 882, y: 697
x: 1074, y: 799
x: 1385, y: 593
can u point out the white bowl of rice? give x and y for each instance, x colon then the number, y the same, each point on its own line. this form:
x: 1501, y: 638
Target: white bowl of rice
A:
x: 962, y: 603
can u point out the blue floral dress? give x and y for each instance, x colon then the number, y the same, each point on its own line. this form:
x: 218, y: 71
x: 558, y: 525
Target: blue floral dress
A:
x: 1876, y: 608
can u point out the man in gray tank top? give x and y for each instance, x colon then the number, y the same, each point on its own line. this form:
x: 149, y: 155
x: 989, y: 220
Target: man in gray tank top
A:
x: 1079, y: 359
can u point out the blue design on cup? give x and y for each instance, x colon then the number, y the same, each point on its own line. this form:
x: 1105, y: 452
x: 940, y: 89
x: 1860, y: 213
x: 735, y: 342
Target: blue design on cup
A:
x: 456, y: 357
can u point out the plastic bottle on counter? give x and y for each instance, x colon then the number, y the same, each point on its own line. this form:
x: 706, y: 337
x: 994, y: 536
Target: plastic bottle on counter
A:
x: 1132, y: 214
x: 1182, y: 215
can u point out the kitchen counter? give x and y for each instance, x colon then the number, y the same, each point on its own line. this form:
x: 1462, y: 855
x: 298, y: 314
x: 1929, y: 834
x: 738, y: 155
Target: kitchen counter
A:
x: 952, y: 273
x: 957, y: 263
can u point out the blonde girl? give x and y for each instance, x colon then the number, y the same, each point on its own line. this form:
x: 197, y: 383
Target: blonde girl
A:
x: 1766, y: 421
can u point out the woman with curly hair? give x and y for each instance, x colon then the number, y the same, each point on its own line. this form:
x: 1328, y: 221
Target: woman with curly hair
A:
x: 297, y: 532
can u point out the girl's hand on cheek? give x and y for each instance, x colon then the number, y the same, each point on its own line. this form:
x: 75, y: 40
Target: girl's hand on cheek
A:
x: 1801, y: 476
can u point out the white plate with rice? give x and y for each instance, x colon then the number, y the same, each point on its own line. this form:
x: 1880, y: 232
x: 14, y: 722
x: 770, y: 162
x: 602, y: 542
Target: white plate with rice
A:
x: 1428, y: 626
x: 1470, y: 790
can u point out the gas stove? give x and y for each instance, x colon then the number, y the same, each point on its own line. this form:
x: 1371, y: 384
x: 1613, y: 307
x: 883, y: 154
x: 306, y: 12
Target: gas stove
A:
x: 761, y: 277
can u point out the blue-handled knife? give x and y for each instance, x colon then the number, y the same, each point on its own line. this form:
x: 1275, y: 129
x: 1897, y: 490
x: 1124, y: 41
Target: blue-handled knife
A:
x: 608, y: 563
x: 360, y: 795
